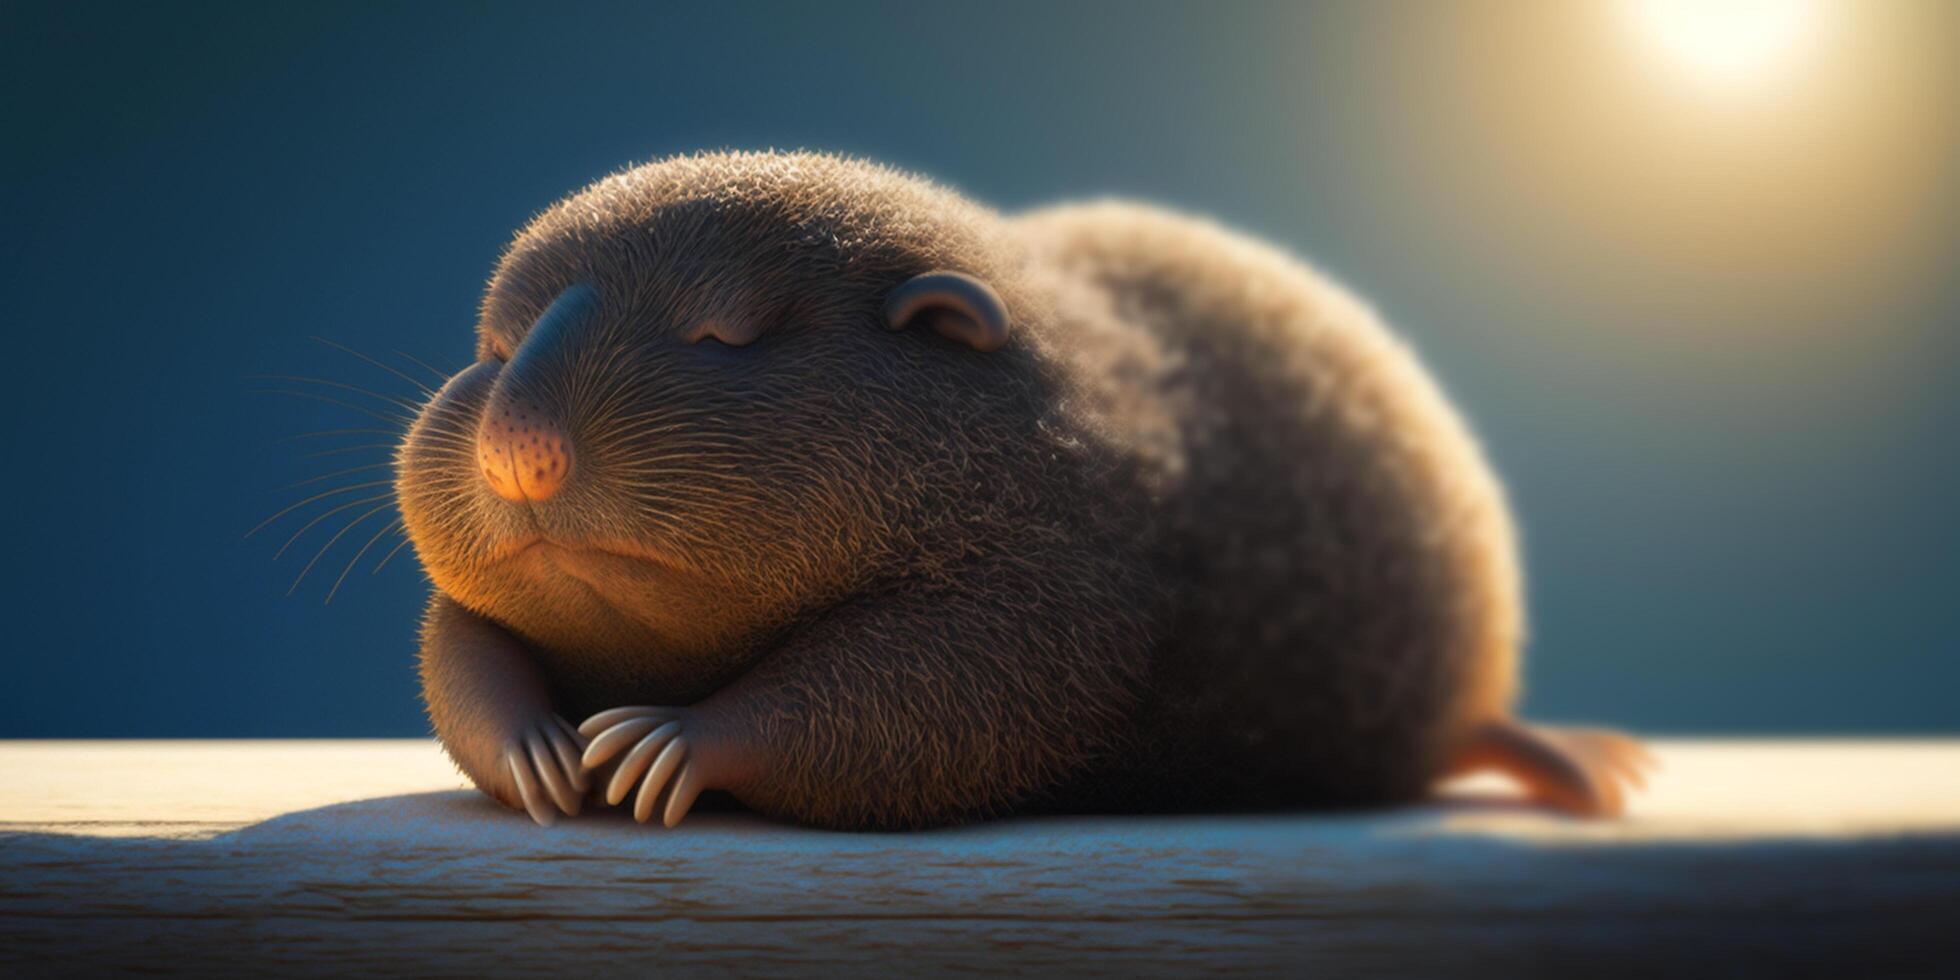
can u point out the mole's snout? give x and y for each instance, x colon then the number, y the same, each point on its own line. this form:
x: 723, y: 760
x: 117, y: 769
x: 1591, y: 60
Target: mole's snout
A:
x: 522, y: 449
x: 523, y: 454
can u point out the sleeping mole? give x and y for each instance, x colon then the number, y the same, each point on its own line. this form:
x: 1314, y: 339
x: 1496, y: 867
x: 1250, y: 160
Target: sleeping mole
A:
x: 809, y: 481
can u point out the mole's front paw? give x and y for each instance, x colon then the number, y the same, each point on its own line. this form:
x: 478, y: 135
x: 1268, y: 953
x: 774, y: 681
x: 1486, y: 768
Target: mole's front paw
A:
x: 543, y: 765
x: 672, y: 749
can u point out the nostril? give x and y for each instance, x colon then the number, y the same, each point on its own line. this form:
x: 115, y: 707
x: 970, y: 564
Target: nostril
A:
x: 526, y: 459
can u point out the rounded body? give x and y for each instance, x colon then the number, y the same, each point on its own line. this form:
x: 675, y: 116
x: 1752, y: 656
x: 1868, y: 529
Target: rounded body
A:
x: 1337, y: 555
x: 888, y: 511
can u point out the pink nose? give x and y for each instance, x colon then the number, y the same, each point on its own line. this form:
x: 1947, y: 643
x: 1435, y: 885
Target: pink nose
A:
x: 523, y: 454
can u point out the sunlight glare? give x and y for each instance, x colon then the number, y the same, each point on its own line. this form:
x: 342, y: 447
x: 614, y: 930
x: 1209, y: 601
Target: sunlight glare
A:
x: 1727, y: 40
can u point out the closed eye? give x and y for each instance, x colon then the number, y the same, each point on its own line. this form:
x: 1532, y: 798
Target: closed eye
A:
x: 724, y: 332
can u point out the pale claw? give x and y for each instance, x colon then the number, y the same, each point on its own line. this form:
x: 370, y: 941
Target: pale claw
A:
x: 566, y: 744
x: 611, y: 741
x: 670, y: 768
x: 687, y: 787
x: 556, y: 783
x: 613, y: 716
x: 544, y: 766
x: 636, y: 761
x: 663, y: 767
x: 528, y: 791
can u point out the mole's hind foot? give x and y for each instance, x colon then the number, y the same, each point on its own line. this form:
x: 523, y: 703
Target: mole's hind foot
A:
x: 1583, y: 771
x: 543, y: 765
x: 674, y: 753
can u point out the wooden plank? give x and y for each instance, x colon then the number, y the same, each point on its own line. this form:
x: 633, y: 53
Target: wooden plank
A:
x: 336, y: 857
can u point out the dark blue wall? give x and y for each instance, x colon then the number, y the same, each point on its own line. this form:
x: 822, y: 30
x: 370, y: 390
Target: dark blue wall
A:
x: 1713, y: 348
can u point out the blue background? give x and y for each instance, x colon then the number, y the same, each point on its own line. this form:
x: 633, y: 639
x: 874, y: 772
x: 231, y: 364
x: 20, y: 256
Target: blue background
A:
x: 1734, y: 458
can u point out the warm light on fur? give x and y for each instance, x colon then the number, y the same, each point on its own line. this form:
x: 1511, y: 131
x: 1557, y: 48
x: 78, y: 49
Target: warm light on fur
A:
x: 1196, y: 532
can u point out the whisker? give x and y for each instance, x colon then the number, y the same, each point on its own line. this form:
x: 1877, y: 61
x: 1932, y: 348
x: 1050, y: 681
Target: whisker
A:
x: 343, y: 450
x: 309, y: 524
x: 392, y: 419
x: 330, y: 543
x: 337, y: 432
x: 433, y: 434
x: 385, y: 528
x: 411, y: 406
x: 337, y: 490
x: 329, y: 476
x: 343, y: 348
x: 424, y: 365
x: 385, y: 559
x: 681, y: 465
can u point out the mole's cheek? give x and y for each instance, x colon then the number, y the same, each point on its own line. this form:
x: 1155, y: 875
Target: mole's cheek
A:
x: 523, y: 454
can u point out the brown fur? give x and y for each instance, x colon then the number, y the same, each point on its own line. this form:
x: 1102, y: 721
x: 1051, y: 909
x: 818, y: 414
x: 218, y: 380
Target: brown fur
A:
x: 1202, y: 534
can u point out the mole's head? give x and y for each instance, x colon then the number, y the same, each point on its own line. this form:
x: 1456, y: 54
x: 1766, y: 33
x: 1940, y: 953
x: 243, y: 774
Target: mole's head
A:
x: 707, y: 393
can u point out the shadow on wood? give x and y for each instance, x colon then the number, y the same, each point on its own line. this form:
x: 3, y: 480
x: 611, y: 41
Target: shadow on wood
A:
x: 447, y: 882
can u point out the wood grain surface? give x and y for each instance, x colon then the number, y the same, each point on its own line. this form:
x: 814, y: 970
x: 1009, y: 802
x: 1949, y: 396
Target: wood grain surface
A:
x: 335, y: 858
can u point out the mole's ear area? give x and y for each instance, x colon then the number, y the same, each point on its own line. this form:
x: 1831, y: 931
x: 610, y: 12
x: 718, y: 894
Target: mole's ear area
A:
x: 957, y: 305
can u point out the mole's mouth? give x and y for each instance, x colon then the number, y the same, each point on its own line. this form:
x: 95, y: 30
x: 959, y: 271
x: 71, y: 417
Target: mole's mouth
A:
x: 565, y: 552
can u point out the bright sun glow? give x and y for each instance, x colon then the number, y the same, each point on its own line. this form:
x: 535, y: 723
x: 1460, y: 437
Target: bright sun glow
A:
x: 1726, y: 40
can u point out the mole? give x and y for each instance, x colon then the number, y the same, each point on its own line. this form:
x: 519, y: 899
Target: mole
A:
x: 810, y: 482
